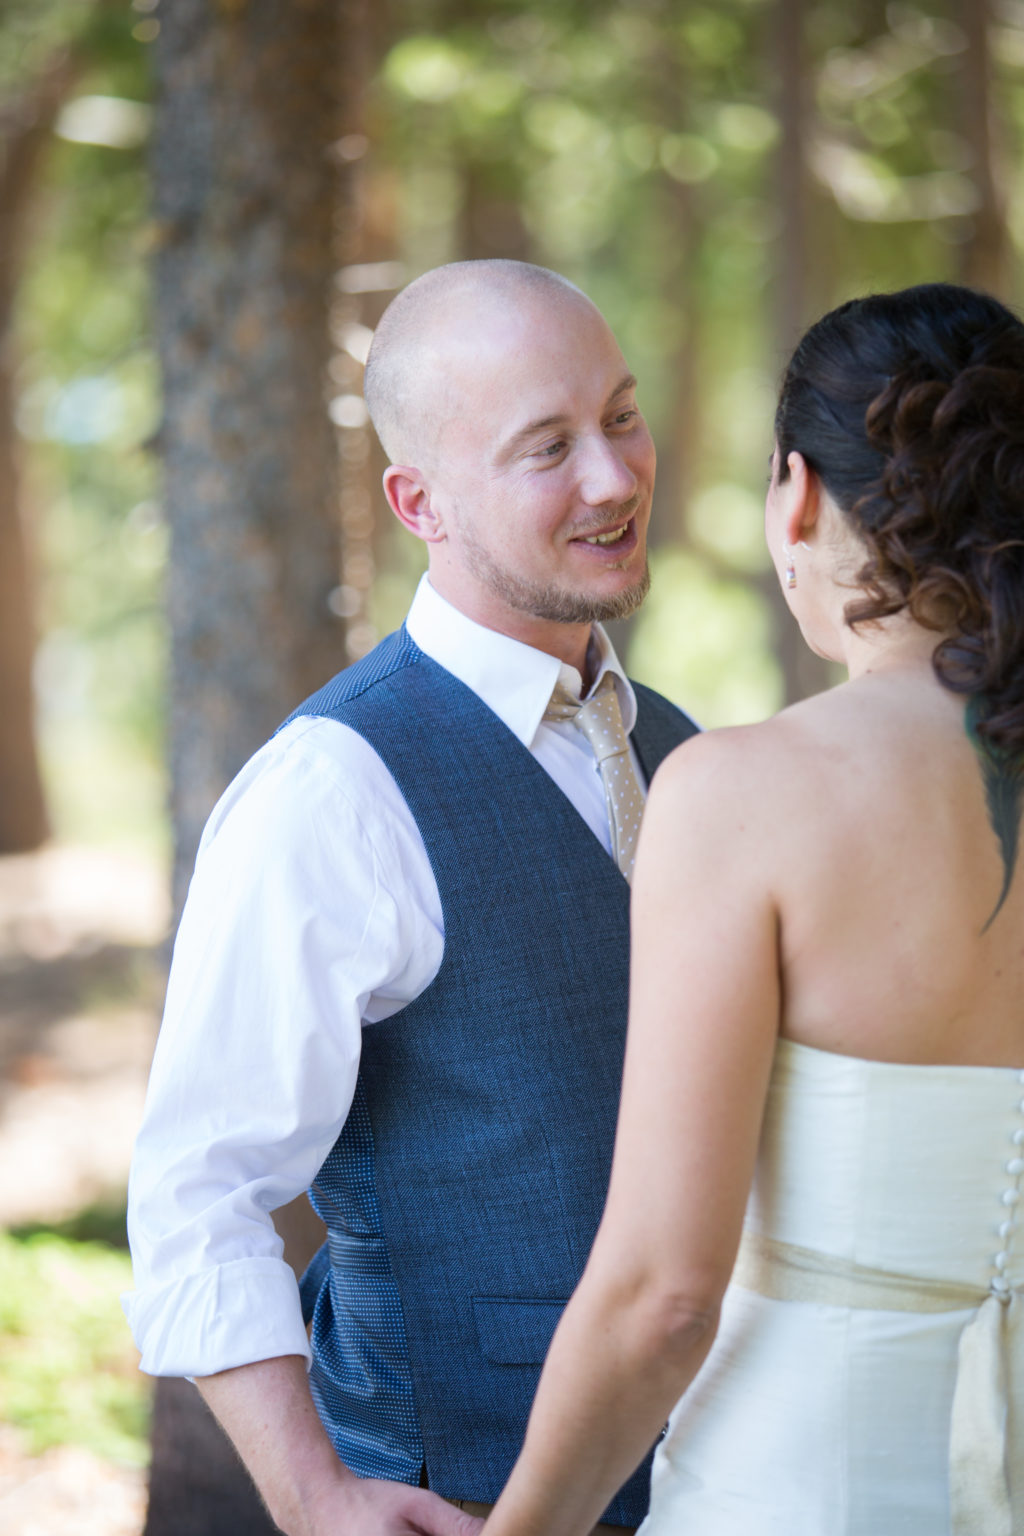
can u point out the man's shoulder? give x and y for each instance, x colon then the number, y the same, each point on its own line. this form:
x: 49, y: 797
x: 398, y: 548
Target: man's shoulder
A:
x: 310, y: 770
x: 392, y: 655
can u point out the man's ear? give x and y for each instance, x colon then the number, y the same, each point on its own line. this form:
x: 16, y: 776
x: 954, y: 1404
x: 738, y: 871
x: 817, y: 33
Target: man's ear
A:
x: 409, y: 499
x: 803, y: 502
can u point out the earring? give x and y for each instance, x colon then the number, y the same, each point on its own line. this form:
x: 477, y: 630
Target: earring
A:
x: 790, y: 571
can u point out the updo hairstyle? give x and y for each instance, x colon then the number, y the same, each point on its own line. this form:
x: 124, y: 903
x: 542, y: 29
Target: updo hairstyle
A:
x: 909, y: 407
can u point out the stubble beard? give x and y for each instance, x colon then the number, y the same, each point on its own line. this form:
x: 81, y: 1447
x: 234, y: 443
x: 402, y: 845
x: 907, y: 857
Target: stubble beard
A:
x: 547, y: 600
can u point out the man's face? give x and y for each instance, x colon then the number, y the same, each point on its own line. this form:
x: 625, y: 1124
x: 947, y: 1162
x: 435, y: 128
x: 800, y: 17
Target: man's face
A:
x: 543, y: 473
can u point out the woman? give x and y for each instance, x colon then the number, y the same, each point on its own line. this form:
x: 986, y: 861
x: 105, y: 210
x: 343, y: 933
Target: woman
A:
x: 827, y: 1013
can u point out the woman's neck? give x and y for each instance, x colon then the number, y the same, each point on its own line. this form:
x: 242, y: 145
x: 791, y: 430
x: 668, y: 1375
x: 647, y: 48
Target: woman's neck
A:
x: 895, y: 644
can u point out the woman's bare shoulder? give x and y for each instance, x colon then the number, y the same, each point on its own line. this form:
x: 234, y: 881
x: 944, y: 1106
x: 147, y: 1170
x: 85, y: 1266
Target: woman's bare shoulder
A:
x: 743, y: 759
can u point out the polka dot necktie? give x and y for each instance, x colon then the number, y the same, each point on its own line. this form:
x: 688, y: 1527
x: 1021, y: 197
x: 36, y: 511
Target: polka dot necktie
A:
x: 600, y: 720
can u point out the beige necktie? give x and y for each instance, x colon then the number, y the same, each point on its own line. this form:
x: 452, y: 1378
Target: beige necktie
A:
x: 600, y: 720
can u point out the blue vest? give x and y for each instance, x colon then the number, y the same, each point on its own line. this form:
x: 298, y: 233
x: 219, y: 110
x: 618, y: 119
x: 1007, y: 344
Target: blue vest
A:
x: 463, y: 1194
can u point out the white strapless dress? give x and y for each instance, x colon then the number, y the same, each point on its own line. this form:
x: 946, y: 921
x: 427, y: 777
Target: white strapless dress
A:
x: 830, y: 1415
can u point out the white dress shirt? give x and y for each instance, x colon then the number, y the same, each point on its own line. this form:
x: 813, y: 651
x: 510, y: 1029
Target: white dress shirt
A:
x: 313, y: 912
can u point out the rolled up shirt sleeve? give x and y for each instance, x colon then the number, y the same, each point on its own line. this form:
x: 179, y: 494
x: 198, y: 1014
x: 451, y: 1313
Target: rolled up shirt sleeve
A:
x: 312, y: 912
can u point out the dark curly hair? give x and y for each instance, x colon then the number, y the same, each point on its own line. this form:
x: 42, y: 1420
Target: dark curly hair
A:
x: 909, y: 407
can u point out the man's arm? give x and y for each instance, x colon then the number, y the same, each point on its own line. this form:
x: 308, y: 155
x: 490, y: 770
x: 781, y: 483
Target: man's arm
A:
x: 267, y: 1410
x: 297, y: 915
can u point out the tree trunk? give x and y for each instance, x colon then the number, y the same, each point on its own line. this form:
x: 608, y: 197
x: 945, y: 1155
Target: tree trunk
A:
x: 245, y: 197
x: 245, y: 207
x: 803, y: 672
x: 985, y: 259
x: 491, y: 219
x: 25, y: 127
x: 678, y: 452
x: 369, y: 271
x: 23, y: 819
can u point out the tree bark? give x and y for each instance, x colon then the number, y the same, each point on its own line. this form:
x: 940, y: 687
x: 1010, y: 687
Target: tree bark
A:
x: 249, y: 99
x: 803, y: 672
x: 678, y: 452
x: 25, y: 127
x: 245, y: 196
x: 985, y: 258
x: 368, y: 248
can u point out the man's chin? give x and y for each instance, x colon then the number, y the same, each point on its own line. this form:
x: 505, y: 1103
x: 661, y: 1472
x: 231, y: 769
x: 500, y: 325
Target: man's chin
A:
x: 565, y: 606
x: 559, y: 604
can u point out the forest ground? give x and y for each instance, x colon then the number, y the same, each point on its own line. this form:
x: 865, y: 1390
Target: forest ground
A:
x: 82, y: 959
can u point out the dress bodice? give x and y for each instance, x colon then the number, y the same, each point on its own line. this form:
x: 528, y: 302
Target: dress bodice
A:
x: 916, y: 1169
x: 831, y: 1402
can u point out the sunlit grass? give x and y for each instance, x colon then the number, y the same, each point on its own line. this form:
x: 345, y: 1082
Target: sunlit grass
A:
x: 68, y: 1369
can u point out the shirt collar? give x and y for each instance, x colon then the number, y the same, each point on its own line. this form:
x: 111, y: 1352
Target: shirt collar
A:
x: 515, y: 680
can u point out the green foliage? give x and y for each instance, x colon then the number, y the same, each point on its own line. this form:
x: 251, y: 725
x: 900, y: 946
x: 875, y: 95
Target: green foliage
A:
x: 705, y: 641
x: 68, y: 1370
x: 33, y: 33
x: 87, y: 408
x: 638, y: 143
x: 104, y: 1222
x: 632, y: 144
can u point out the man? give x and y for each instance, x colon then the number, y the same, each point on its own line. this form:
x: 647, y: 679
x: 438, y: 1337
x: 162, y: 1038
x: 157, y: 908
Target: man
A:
x: 401, y: 973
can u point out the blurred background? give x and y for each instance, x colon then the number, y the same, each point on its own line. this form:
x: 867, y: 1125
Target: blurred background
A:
x: 204, y: 207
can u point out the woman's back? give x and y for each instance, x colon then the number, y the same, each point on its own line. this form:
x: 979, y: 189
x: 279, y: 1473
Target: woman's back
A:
x: 868, y: 1374
x: 890, y: 871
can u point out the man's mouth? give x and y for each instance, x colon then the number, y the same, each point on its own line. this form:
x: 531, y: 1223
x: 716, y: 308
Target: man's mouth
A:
x: 608, y: 538
x: 612, y: 533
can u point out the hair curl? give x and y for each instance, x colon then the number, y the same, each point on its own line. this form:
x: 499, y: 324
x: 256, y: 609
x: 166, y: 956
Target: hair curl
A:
x: 909, y: 407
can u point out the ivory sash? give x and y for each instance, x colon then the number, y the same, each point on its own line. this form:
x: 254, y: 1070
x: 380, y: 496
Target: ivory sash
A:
x: 978, y: 1485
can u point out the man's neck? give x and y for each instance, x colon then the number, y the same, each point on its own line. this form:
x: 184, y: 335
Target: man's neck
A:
x: 570, y: 643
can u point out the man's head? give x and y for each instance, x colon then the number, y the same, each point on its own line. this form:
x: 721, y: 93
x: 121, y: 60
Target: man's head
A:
x: 504, y: 403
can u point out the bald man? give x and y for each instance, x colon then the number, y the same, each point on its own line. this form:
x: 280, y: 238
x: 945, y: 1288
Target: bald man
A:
x: 400, y: 979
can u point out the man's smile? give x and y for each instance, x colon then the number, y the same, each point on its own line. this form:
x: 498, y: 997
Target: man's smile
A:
x: 608, y: 538
x: 618, y: 536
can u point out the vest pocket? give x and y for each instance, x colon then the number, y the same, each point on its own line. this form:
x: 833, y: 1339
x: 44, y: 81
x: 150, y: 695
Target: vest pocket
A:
x: 515, y: 1330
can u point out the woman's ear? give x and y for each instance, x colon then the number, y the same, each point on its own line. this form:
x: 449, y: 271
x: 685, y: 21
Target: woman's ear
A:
x: 803, y: 502
x: 409, y: 499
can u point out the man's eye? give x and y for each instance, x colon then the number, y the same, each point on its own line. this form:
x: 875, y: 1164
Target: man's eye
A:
x: 625, y: 418
x: 551, y: 450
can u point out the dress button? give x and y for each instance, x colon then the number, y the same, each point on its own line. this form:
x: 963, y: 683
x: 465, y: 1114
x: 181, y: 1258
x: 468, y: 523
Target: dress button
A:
x: 1004, y: 1229
x: 1015, y: 1165
x: 1018, y: 1138
x: 1010, y: 1197
x: 1000, y: 1286
x: 1001, y: 1260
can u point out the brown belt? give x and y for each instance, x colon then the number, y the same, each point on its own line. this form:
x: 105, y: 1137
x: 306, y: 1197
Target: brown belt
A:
x: 599, y: 1530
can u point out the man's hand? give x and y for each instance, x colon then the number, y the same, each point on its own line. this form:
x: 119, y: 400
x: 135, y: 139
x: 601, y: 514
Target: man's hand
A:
x: 372, y: 1507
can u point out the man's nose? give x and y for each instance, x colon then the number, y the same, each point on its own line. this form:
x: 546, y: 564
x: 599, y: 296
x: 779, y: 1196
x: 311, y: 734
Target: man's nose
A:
x: 606, y: 476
